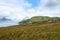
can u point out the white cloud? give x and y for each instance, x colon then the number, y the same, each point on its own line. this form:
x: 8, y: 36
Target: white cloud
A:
x: 51, y: 10
x: 47, y: 8
x: 14, y: 9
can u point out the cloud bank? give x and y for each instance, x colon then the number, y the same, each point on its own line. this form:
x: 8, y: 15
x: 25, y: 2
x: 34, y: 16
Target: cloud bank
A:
x: 20, y: 9
x: 13, y: 9
x: 49, y: 8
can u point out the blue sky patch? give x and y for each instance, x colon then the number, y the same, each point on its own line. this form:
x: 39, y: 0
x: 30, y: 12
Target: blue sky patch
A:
x: 34, y: 2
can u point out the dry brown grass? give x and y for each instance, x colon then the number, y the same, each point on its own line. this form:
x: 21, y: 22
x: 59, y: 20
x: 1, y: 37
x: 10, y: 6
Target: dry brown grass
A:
x: 48, y: 31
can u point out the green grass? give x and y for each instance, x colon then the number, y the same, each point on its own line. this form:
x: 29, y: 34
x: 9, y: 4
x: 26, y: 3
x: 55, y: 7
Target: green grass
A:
x: 48, y: 31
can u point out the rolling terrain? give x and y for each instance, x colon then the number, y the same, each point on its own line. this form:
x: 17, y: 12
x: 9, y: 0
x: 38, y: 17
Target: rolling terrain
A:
x: 34, y: 31
x: 50, y: 31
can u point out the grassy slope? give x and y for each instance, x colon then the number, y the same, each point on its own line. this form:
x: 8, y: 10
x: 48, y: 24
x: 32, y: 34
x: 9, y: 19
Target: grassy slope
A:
x: 49, y: 31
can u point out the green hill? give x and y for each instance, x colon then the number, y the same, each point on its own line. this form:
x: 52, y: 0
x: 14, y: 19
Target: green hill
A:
x: 40, y: 20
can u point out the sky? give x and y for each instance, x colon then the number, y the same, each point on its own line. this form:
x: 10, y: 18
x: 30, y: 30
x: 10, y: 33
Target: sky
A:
x: 20, y: 9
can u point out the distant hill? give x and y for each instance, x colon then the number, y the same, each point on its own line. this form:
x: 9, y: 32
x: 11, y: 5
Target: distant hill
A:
x: 5, y: 22
x: 40, y: 20
x: 4, y: 19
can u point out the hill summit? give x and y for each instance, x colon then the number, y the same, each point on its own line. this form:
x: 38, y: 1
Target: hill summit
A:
x: 40, y: 20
